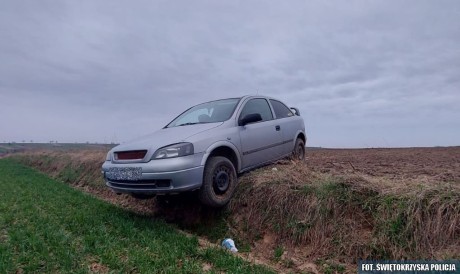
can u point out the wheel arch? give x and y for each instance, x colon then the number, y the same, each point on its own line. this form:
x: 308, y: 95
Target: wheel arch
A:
x: 302, y: 136
x: 224, y: 149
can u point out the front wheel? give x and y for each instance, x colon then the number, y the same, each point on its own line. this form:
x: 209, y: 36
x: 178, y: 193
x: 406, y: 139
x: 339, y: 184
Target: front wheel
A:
x: 299, y: 150
x: 219, y: 182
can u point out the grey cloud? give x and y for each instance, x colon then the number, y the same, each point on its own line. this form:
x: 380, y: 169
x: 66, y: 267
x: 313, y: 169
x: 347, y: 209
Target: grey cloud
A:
x: 356, y: 69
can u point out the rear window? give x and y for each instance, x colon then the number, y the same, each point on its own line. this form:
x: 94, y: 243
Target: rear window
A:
x: 281, y: 111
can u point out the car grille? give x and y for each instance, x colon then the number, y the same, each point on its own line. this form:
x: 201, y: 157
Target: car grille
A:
x: 140, y: 184
x: 130, y: 155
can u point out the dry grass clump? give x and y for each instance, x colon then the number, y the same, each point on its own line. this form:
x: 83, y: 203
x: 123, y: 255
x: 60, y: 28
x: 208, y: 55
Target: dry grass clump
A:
x: 79, y: 167
x: 352, y: 216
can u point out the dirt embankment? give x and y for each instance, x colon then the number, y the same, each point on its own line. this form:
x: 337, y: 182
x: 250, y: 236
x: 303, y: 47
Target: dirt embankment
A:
x: 337, y: 207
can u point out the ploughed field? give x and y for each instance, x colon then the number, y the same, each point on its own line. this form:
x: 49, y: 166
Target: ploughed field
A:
x: 441, y: 164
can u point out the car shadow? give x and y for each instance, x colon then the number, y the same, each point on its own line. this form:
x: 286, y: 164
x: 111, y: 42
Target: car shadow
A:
x: 186, y: 211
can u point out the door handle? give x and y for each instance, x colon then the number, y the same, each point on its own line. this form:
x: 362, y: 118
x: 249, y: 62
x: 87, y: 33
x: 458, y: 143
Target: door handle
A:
x: 277, y: 128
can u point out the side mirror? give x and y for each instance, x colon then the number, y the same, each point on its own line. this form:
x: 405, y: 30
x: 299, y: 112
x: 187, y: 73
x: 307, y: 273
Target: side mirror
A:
x: 296, y: 111
x: 250, y: 118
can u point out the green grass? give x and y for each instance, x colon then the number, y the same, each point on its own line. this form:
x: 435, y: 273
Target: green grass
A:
x: 69, y: 174
x: 278, y: 252
x: 46, y: 226
x: 215, y: 229
x: 330, y: 267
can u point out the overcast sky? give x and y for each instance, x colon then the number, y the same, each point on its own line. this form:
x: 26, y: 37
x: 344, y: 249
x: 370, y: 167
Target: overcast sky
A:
x: 362, y: 73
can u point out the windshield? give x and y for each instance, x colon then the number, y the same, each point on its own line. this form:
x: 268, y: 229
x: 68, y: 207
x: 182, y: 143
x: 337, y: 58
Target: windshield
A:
x: 210, y: 112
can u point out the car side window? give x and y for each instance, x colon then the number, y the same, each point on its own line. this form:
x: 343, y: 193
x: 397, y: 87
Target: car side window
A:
x: 260, y: 106
x: 281, y: 111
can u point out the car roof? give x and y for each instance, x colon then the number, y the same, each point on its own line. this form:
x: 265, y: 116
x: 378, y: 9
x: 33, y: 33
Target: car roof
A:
x: 258, y: 96
x: 242, y: 98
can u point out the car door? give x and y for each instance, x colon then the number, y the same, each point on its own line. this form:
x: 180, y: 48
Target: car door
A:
x: 260, y: 141
x: 288, y: 125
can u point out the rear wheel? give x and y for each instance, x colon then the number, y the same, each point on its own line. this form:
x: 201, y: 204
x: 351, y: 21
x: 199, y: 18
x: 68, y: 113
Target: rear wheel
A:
x: 219, y: 182
x: 299, y: 150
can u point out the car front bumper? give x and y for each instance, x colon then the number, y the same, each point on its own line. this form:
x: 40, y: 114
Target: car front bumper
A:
x: 166, y: 176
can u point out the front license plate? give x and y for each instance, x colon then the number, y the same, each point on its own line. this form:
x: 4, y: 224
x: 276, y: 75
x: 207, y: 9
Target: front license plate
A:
x: 124, y: 173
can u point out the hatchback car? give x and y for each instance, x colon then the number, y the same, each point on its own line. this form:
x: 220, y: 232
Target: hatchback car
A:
x: 205, y: 147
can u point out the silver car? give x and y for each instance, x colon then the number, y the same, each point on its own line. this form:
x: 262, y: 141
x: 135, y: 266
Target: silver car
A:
x: 205, y: 147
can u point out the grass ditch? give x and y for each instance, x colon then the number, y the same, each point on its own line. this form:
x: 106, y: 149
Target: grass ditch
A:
x: 76, y: 167
x: 308, y: 214
x: 350, y: 217
x: 48, y: 227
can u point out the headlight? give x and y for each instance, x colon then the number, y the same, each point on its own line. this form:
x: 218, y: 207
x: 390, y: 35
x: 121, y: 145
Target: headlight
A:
x: 177, y: 150
x: 108, y: 157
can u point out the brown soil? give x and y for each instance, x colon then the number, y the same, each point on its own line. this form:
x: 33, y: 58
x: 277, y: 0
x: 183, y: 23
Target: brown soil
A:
x: 439, y: 164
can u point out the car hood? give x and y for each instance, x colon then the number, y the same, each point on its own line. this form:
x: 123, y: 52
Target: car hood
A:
x: 164, y: 137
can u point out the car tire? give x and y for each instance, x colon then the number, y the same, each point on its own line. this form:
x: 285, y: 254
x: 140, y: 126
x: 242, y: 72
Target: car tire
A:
x: 299, y: 150
x: 219, y: 182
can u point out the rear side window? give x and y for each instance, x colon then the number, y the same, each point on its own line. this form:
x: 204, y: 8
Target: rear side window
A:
x: 281, y: 111
x: 257, y: 106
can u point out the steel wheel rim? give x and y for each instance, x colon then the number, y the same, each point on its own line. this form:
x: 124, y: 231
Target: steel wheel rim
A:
x: 300, y: 152
x: 221, y: 180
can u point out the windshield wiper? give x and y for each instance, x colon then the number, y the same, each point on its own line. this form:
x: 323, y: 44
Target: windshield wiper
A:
x: 187, y: 124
